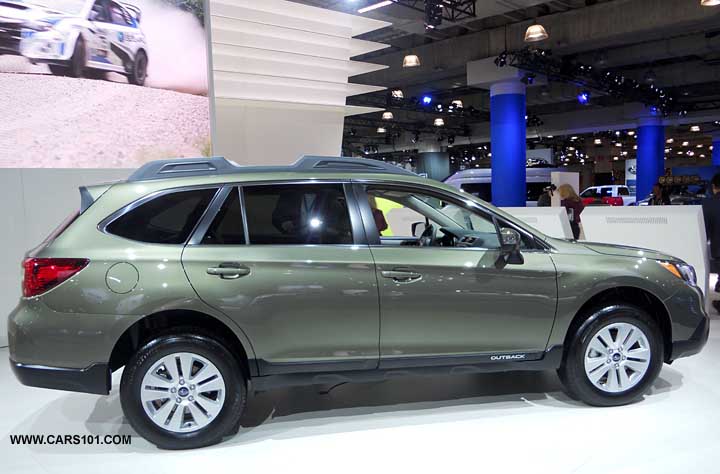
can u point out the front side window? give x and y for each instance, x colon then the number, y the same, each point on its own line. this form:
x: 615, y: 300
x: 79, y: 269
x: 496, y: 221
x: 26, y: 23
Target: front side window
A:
x: 410, y: 218
x: 297, y: 214
x: 165, y: 219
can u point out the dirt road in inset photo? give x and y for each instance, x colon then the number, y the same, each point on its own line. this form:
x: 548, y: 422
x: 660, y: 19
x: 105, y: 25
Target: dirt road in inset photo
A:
x: 63, y: 122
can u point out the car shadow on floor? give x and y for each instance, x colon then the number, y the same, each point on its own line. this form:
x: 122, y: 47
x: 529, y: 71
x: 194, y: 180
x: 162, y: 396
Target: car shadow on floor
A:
x: 320, y: 410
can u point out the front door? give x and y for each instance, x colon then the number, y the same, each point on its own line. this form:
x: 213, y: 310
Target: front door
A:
x: 284, y: 262
x: 445, y: 290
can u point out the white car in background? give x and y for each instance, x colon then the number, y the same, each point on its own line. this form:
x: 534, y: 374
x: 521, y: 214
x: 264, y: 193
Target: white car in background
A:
x: 76, y: 37
x: 610, y: 195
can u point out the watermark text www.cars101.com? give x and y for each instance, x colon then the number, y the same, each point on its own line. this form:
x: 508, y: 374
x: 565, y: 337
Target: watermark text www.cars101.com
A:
x: 69, y: 439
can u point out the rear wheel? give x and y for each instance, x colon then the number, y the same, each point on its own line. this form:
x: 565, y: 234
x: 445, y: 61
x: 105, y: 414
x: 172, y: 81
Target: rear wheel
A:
x: 613, y: 357
x: 183, y: 391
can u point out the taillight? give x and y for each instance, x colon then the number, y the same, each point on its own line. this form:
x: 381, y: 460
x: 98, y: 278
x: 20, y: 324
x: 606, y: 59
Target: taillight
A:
x: 42, y: 274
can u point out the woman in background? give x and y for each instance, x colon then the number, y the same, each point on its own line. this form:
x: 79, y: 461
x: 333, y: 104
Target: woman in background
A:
x: 574, y: 207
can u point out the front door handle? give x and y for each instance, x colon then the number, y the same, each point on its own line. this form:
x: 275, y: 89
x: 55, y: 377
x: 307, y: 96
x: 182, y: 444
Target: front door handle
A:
x: 229, y: 271
x: 401, y: 276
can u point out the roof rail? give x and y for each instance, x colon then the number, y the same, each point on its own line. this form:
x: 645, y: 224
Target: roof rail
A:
x: 358, y: 165
x: 187, y: 167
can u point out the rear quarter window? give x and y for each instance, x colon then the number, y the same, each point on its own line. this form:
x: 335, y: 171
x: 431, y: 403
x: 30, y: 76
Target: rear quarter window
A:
x: 165, y: 219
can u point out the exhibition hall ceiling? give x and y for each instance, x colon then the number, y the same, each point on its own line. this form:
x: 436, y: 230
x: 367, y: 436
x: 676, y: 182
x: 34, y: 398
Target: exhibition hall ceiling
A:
x: 673, y: 45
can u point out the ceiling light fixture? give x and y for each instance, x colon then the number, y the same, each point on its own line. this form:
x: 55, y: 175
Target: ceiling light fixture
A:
x: 535, y: 32
x: 709, y: 3
x: 695, y: 128
x: 381, y: 130
x: 411, y: 60
x: 458, y: 103
x: 439, y: 122
x: 388, y: 115
x: 375, y: 6
x: 397, y: 94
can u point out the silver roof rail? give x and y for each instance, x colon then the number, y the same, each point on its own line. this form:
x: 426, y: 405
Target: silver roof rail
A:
x: 187, y: 167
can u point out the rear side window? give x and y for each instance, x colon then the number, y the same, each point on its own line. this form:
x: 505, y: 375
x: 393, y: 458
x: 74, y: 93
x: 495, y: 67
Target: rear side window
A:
x: 297, y: 214
x: 227, y: 227
x: 622, y: 191
x: 166, y: 219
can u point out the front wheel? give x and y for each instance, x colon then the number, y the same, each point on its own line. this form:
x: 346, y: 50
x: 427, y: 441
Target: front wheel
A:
x: 183, y: 391
x: 78, y: 60
x: 138, y: 72
x: 613, y: 357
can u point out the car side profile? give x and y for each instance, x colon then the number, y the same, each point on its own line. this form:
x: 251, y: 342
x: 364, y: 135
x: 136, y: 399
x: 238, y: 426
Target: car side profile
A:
x: 609, y: 195
x: 206, y: 281
x: 76, y: 37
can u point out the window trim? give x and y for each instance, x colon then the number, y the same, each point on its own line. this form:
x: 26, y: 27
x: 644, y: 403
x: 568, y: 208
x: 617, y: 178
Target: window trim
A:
x: 103, y: 224
x: 369, y: 222
x: 356, y: 224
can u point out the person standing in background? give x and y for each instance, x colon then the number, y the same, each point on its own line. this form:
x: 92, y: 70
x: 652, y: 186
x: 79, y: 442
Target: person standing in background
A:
x: 711, y: 215
x: 545, y: 199
x: 574, y: 207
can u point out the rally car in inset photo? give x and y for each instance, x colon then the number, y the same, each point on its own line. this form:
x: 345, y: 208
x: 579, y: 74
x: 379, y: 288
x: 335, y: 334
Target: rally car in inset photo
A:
x: 76, y: 37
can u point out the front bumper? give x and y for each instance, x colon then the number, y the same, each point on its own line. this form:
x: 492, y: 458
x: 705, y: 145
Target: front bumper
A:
x: 92, y: 379
x: 690, y: 322
x: 45, y: 46
x: 694, y: 344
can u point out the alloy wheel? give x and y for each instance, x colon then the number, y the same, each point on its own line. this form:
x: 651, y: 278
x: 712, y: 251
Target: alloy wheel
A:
x: 182, y: 392
x: 617, y: 358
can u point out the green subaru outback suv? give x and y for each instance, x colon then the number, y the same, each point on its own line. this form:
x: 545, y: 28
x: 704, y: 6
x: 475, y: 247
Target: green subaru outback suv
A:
x: 207, y: 281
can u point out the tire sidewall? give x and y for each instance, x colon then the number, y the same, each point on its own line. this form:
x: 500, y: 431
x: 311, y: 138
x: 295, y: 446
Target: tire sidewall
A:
x: 147, y: 356
x: 77, y: 62
x: 135, y: 79
x: 574, y: 365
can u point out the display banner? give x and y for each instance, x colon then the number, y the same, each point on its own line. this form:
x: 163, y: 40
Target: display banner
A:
x: 631, y: 175
x: 102, y: 84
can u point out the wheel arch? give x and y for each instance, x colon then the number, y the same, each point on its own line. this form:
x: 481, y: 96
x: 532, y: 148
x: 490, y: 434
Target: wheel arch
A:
x: 161, y: 322
x: 628, y: 295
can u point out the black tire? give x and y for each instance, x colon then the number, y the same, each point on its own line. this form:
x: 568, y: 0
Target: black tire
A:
x: 58, y: 70
x: 572, y: 371
x: 78, y: 60
x: 138, y: 74
x: 183, y: 341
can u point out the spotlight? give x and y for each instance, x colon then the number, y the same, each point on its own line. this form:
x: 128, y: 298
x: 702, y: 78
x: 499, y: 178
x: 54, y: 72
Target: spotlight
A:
x: 427, y: 100
x: 387, y: 115
x: 411, y: 60
x: 584, y: 97
x: 439, y: 122
x: 695, y: 128
x: 528, y: 79
x: 535, y: 32
x: 501, y: 60
x: 397, y: 94
x: 381, y: 130
x: 458, y: 103
x: 433, y: 13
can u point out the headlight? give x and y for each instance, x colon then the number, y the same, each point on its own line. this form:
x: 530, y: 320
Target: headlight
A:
x: 681, y: 270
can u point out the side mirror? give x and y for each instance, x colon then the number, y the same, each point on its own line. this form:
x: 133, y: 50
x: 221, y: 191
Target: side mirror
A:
x: 510, y: 240
x: 415, y: 226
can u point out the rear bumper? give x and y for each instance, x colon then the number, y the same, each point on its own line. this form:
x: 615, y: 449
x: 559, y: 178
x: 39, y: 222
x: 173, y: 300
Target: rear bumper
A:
x: 93, y: 379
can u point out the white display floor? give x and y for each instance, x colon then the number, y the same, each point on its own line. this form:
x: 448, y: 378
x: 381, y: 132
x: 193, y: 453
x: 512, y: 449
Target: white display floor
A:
x: 519, y: 422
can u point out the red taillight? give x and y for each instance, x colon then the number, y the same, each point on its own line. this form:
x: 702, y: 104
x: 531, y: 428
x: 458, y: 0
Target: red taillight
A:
x: 42, y: 274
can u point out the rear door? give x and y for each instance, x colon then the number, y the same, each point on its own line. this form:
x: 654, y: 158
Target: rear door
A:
x: 289, y: 264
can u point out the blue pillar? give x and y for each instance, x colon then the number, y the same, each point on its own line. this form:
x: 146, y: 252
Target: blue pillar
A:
x: 650, y: 155
x: 716, y: 149
x: 507, y: 137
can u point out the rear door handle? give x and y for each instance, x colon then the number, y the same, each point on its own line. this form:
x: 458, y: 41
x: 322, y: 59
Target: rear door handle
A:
x: 401, y: 276
x: 229, y: 271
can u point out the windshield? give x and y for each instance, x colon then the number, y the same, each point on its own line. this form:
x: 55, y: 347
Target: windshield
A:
x: 70, y: 7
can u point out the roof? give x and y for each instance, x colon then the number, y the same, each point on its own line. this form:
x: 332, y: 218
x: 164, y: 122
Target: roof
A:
x: 217, y: 166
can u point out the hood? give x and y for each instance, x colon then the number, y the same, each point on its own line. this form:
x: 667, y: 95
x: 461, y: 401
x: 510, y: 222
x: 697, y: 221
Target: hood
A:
x: 626, y: 251
x: 15, y: 12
